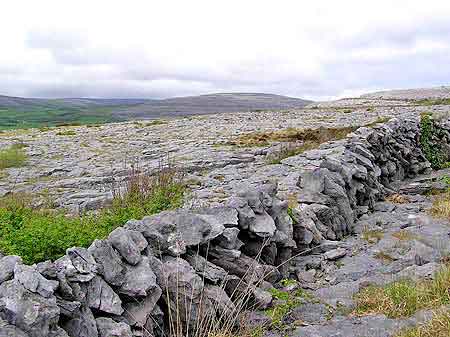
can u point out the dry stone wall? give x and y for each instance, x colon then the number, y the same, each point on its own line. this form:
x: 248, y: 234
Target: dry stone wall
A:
x: 192, y: 263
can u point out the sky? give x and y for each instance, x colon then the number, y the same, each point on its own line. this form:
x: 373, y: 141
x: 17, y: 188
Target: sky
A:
x: 156, y: 49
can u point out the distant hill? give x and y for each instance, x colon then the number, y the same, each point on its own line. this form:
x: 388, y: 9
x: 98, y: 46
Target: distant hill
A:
x: 16, y: 112
x: 442, y: 92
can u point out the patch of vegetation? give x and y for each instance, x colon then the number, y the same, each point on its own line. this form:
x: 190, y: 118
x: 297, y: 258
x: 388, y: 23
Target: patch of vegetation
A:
x: 288, y: 301
x: 66, y: 133
x: 379, y: 120
x: 55, y: 115
x: 397, y: 199
x: 441, y: 206
x: 38, y: 234
x: 404, y: 298
x: 404, y: 235
x: 14, y: 156
x: 156, y: 122
x: 438, y: 101
x: 347, y: 111
x: 372, y: 236
x: 438, y: 326
x: 430, y: 138
x: 312, y: 138
x: 384, y: 257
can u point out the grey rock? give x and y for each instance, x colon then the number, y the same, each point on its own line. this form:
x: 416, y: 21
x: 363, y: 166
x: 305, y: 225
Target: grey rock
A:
x: 335, y: 254
x: 172, y: 231
x: 9, y: 330
x: 100, y: 296
x: 33, y: 281
x: 137, y: 312
x: 7, y: 265
x: 229, y: 239
x: 129, y: 243
x: 84, y: 325
x: 139, y: 280
x: 28, y: 311
x: 206, y: 269
x: 108, y: 328
x: 110, y: 265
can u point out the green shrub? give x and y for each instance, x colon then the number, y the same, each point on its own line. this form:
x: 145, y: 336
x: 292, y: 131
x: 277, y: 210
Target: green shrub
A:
x: 39, y: 234
x: 430, y: 136
x: 14, y: 156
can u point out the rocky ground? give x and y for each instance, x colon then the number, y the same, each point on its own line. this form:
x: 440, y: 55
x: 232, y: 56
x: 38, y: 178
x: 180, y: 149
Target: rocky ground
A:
x: 76, y: 165
x: 334, y: 277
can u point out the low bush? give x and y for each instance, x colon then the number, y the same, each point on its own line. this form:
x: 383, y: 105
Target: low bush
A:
x: 14, y: 156
x: 40, y: 234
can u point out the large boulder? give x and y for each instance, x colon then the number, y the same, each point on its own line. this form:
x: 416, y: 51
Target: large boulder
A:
x: 171, y: 232
x: 29, y: 311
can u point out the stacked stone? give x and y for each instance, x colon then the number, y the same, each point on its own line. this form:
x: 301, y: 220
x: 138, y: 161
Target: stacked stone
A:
x: 192, y: 264
x: 184, y: 264
x: 341, y: 180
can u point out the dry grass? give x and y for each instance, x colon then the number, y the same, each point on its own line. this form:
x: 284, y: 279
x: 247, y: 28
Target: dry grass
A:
x: 397, y: 199
x: 438, y: 326
x: 372, y: 236
x: 384, y: 257
x: 404, y: 235
x: 404, y: 298
x: 441, y: 206
x: 311, y: 138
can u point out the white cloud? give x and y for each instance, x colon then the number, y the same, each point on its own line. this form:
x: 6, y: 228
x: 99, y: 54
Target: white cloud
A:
x: 166, y: 48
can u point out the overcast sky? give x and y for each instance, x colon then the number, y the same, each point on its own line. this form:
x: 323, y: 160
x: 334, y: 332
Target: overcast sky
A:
x: 153, y: 49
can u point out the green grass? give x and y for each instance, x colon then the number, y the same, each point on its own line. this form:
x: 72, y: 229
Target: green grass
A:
x: 40, y: 234
x: 44, y: 117
x: 405, y: 297
x: 14, y: 156
x: 439, y: 101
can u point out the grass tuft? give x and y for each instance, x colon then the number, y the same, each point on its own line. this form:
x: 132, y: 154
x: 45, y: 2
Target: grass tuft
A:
x: 14, y: 156
x: 441, y: 206
x: 438, y: 326
x: 372, y: 236
x: 404, y: 298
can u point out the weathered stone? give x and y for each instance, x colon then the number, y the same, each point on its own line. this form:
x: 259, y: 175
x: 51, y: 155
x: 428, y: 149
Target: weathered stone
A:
x: 206, y: 269
x: 109, y: 262
x: 172, y: 231
x: 100, y: 296
x: 83, y: 325
x: 129, y: 243
x: 335, y: 254
x: 139, y: 280
x: 108, y: 328
x: 137, y: 312
x: 33, y: 281
x: 30, y: 312
x: 7, y: 265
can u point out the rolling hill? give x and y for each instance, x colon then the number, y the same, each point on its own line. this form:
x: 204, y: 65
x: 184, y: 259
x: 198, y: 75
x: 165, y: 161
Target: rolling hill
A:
x: 18, y: 112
